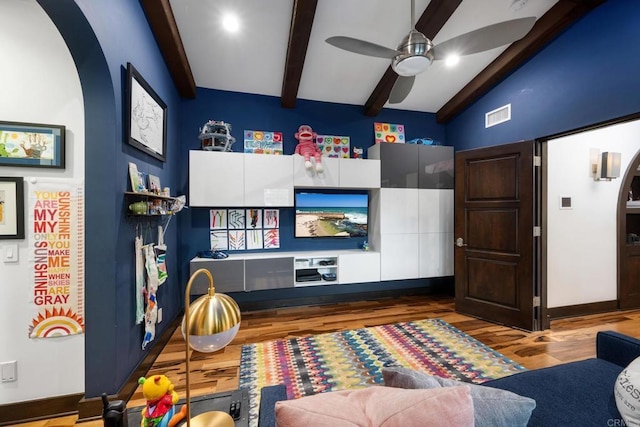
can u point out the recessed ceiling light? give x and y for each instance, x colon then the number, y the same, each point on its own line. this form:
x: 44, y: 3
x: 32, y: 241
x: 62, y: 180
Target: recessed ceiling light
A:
x: 452, y: 60
x: 231, y: 23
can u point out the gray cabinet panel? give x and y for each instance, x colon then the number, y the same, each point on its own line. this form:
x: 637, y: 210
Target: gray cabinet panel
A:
x: 228, y: 276
x: 268, y: 273
x: 399, y: 164
x: 436, y: 167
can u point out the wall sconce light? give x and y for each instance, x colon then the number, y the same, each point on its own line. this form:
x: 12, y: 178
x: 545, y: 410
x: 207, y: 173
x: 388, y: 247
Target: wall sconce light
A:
x: 606, y: 167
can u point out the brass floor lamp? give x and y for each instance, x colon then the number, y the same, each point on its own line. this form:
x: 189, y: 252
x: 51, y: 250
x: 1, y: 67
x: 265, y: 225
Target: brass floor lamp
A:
x: 210, y: 323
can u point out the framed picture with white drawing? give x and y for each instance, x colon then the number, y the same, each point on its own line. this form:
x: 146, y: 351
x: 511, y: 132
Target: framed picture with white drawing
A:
x: 146, y: 115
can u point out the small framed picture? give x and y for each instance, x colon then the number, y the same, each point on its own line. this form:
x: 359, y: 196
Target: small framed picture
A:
x: 11, y: 208
x: 32, y: 144
x: 154, y: 184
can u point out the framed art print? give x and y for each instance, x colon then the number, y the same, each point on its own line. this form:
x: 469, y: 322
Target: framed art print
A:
x: 146, y: 116
x: 31, y: 144
x: 11, y: 208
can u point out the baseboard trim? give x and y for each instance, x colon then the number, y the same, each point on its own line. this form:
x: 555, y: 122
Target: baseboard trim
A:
x: 582, y: 309
x: 38, y: 409
x: 91, y: 408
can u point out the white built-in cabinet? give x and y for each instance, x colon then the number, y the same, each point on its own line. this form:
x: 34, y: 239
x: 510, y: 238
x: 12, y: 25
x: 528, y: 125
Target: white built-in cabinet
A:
x: 435, y: 211
x: 414, y: 232
x: 268, y: 180
x: 412, y: 214
x: 359, y: 267
x: 218, y: 179
x: 246, y: 272
x: 328, y: 178
x: 337, y: 173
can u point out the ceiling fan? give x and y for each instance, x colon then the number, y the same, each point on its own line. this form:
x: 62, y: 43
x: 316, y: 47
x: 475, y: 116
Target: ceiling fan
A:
x: 416, y: 52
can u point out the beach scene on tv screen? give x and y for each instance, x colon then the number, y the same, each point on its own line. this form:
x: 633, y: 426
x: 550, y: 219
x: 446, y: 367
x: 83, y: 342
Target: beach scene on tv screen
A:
x: 331, y: 215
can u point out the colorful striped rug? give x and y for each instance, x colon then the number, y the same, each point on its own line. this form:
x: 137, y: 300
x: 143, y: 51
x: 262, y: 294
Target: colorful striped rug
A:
x: 353, y: 359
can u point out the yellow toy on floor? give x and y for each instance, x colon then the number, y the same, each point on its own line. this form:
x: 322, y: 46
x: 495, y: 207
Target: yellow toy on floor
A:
x: 161, y: 401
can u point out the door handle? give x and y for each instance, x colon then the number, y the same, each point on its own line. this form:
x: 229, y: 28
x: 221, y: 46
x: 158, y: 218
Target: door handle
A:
x: 460, y: 242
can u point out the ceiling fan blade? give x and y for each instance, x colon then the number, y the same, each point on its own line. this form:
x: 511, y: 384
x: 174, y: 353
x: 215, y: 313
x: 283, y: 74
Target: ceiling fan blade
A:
x: 484, y: 38
x: 401, y: 89
x: 362, y: 47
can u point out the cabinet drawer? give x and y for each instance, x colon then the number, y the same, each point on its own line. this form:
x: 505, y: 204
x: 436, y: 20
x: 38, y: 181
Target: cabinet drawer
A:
x: 268, y: 273
x: 228, y: 276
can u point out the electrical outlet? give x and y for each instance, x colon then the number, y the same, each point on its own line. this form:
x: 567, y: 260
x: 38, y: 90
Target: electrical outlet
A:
x: 9, y: 371
x: 159, y: 315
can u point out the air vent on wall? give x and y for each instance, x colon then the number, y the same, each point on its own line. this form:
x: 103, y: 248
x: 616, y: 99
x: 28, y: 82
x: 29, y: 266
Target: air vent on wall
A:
x: 497, y: 116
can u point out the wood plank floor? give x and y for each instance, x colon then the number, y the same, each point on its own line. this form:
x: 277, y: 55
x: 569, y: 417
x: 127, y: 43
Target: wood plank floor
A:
x: 568, y: 340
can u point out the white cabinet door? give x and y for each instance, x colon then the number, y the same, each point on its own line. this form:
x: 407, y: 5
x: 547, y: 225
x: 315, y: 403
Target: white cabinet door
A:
x: 436, y: 254
x: 328, y: 178
x: 359, y: 268
x: 268, y: 180
x: 216, y: 178
x: 399, y: 257
x: 359, y: 173
x: 436, y: 211
x: 398, y: 210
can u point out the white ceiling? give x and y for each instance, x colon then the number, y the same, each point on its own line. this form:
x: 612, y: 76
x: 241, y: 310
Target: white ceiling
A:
x: 252, y: 60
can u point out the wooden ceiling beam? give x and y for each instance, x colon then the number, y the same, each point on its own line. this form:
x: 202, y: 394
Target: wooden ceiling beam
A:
x: 302, y: 17
x: 430, y: 23
x: 548, y: 27
x: 165, y: 30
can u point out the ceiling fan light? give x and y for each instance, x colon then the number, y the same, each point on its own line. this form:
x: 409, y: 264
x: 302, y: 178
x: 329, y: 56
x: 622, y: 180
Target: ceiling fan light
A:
x: 452, y: 60
x: 411, y: 66
x: 416, y: 54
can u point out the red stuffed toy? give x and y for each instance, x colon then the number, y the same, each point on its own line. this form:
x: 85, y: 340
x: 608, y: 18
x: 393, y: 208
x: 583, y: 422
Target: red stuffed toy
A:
x: 307, y: 147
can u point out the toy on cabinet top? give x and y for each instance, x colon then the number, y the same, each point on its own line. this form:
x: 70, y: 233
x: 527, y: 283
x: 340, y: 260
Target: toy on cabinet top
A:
x: 216, y: 136
x: 161, y: 399
x: 307, y: 147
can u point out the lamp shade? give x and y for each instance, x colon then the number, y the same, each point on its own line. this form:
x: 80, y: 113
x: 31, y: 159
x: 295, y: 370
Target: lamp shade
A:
x: 214, y: 320
x: 610, y: 165
x: 209, y: 324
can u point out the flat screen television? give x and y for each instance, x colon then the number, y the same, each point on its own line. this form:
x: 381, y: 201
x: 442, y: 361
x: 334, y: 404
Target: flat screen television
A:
x: 323, y: 213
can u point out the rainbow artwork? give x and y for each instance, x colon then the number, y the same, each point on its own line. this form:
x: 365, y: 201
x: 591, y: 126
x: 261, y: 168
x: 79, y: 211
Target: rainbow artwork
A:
x: 387, y: 132
x: 56, y: 240
x: 262, y: 142
x: 334, y: 146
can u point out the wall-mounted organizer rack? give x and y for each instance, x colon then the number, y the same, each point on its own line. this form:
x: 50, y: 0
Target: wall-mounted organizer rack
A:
x: 150, y: 204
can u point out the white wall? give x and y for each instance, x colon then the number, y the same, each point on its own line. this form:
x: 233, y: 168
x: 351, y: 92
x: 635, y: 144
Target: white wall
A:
x: 38, y: 84
x: 582, y: 243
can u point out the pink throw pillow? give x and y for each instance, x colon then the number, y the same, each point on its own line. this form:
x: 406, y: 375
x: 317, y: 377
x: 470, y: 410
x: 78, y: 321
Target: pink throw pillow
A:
x: 380, y: 406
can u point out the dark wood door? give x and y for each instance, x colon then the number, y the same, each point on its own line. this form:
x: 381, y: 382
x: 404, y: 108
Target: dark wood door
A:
x: 494, y: 231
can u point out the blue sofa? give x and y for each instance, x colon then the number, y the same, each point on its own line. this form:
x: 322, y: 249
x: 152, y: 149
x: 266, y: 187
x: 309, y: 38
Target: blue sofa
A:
x: 571, y: 394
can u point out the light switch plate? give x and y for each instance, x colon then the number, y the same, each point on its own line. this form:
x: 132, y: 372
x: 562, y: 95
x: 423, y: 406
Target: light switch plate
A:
x: 10, y: 253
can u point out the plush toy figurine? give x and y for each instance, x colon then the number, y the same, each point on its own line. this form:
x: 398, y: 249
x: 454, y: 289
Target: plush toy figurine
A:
x: 161, y: 400
x: 307, y: 147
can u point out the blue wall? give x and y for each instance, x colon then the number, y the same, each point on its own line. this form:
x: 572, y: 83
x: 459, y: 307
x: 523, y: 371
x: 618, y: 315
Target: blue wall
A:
x: 255, y: 112
x: 589, y: 74
x: 97, y: 34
